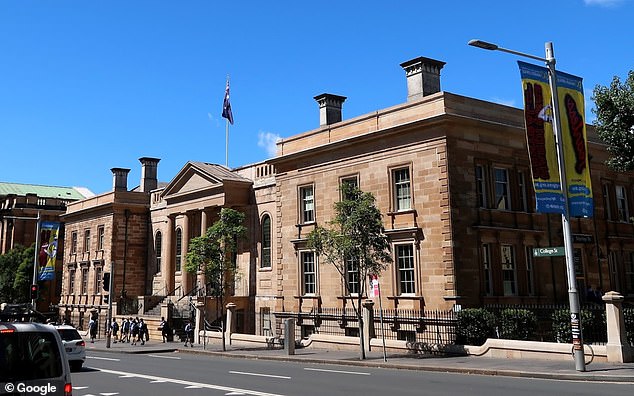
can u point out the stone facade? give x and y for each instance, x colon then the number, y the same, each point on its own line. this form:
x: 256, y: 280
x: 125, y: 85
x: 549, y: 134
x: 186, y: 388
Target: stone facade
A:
x: 450, y: 174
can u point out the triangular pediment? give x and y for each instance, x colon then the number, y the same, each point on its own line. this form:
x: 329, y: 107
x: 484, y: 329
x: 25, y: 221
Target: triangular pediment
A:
x: 196, y: 177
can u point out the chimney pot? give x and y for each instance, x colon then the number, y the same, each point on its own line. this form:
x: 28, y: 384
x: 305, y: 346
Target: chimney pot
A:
x: 423, y: 77
x: 149, y: 167
x: 120, y: 179
x: 329, y: 108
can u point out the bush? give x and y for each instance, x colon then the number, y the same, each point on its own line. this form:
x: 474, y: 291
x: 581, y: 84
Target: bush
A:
x: 517, y: 324
x: 592, y: 323
x: 628, y: 314
x: 475, y: 325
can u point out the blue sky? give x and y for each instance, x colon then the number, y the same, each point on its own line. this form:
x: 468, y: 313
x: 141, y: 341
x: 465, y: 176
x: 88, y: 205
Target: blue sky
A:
x: 86, y: 86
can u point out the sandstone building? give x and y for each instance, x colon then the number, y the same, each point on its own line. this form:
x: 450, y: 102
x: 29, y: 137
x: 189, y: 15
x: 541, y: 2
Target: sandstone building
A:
x: 452, y: 179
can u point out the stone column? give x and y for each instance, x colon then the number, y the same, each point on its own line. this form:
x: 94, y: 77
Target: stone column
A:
x: 168, y: 250
x: 185, y: 278
x: 368, y: 323
x: 200, y: 306
x: 618, y: 349
x: 203, y: 229
x: 231, y: 321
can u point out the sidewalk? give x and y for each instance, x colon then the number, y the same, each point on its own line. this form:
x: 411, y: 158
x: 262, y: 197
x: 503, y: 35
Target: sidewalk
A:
x: 527, y: 368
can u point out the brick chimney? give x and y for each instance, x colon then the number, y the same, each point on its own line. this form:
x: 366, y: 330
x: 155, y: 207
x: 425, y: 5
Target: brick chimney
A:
x: 149, y: 172
x: 329, y: 108
x: 120, y: 179
x: 423, y: 77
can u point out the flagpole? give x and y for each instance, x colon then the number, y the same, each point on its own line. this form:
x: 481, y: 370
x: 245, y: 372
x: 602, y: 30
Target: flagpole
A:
x: 227, y: 144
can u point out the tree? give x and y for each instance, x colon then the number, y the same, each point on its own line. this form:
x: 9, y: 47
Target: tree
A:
x: 16, y: 273
x: 354, y: 244
x: 615, y: 121
x: 215, y: 254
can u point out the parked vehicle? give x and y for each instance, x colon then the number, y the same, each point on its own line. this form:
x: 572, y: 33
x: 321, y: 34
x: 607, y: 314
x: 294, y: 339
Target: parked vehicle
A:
x: 74, y: 345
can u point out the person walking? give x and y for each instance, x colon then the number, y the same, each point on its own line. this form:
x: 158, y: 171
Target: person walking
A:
x: 165, y: 329
x: 125, y: 330
x: 134, y: 331
x: 115, y: 329
x: 92, y: 328
x: 189, y: 334
x: 144, y: 334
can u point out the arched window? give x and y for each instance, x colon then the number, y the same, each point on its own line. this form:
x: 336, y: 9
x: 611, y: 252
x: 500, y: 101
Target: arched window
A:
x: 179, y: 248
x: 265, y: 254
x: 158, y: 245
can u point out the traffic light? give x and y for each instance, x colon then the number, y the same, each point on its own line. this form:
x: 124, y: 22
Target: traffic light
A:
x: 34, y: 292
x: 106, y: 281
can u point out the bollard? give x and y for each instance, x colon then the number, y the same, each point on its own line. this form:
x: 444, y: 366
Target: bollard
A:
x: 289, y: 336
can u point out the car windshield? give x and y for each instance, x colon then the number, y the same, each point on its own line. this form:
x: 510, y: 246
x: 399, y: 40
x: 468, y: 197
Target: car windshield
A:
x: 69, y: 334
x: 28, y: 356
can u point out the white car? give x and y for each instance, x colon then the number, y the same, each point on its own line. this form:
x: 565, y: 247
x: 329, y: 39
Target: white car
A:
x: 74, y: 345
x: 32, y: 360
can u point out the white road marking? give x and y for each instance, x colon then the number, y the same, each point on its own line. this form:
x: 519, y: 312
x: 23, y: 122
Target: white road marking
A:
x: 80, y: 387
x: 186, y: 383
x: 233, y: 394
x: 103, y: 358
x: 109, y: 394
x: 259, y: 375
x: 165, y: 357
x: 337, y: 371
x: 158, y: 382
x: 193, y: 387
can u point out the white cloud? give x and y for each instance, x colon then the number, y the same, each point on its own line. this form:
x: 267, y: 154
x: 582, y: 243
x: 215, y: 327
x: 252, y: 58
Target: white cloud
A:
x: 267, y: 141
x: 603, y: 3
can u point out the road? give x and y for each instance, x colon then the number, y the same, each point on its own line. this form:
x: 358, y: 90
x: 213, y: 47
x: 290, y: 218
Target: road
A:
x: 109, y: 374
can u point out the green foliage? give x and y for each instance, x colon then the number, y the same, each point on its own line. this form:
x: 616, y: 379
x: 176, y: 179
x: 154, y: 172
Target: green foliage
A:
x: 615, y: 121
x: 214, y: 253
x: 16, y: 274
x: 517, y: 324
x: 475, y: 325
x: 356, y: 233
x: 628, y: 314
x: 591, y: 323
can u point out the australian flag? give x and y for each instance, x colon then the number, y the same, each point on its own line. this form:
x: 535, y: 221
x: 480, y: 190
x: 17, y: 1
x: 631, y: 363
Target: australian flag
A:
x: 226, y: 106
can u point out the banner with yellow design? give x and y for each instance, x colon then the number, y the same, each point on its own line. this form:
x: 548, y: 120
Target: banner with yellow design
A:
x: 541, y: 139
x: 575, y: 141
x: 49, y: 233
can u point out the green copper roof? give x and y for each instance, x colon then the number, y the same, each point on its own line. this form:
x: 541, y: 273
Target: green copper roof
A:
x: 74, y: 193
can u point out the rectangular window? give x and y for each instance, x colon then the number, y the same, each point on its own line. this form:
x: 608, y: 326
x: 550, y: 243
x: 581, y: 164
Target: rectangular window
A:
x: 101, y: 236
x: 405, y: 263
x: 613, y: 267
x: 84, y: 281
x: 71, y: 281
x: 266, y: 242
x: 502, y: 196
x: 86, y: 240
x: 73, y: 242
x: 606, y: 202
x: 481, y: 186
x: 98, y: 280
x: 352, y: 276
x: 486, y: 265
x: 309, y: 276
x: 402, y: 189
x: 523, y: 198
x: 530, y: 272
x: 179, y: 249
x: 509, y: 274
x: 307, y: 204
x: 621, y: 204
x: 351, y: 181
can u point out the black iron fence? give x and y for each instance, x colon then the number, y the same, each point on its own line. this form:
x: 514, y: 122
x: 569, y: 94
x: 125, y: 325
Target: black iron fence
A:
x: 441, y: 328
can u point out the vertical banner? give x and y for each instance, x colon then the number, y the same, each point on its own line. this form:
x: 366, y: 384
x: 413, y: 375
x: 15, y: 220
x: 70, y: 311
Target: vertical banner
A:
x: 49, y: 232
x: 575, y: 143
x: 541, y: 139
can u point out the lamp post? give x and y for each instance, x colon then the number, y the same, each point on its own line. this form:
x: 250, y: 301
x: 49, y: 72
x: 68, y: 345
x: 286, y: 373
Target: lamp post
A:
x: 573, y: 294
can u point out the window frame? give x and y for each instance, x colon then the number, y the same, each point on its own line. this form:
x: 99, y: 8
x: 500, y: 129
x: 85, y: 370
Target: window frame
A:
x: 607, y: 201
x: 481, y: 186
x: 512, y: 260
x: 84, y: 280
x: 101, y: 237
x: 352, y: 277
x: 505, y: 196
x: 98, y: 279
x: 406, y: 284
x: 73, y: 242
x: 72, y: 273
x: 350, y: 179
x: 158, y: 251
x: 265, y: 248
x: 530, y: 271
x: 178, y: 246
x: 87, y: 240
x: 397, y: 186
x: 486, y: 268
x: 304, y: 203
x: 522, y: 189
x: 622, y: 209
x: 306, y: 276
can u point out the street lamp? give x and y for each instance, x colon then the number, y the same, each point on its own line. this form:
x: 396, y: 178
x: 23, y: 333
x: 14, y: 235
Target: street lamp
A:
x: 573, y: 294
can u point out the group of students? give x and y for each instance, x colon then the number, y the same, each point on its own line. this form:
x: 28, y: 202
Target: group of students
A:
x: 132, y: 331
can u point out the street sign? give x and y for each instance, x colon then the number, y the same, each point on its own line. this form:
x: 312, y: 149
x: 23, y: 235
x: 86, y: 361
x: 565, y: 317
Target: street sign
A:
x: 556, y: 251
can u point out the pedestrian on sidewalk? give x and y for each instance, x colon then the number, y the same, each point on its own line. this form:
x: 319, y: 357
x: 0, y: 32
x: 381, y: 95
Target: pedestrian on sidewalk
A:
x: 92, y: 329
x: 144, y: 334
x: 165, y: 329
x: 115, y: 329
x: 125, y: 330
x: 189, y: 334
x: 134, y: 331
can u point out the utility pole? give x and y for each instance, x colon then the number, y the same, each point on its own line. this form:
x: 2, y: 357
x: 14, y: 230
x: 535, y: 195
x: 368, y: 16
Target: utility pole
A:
x: 110, y: 289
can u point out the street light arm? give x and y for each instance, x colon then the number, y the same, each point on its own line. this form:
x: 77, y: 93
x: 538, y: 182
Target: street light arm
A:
x: 494, y: 47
